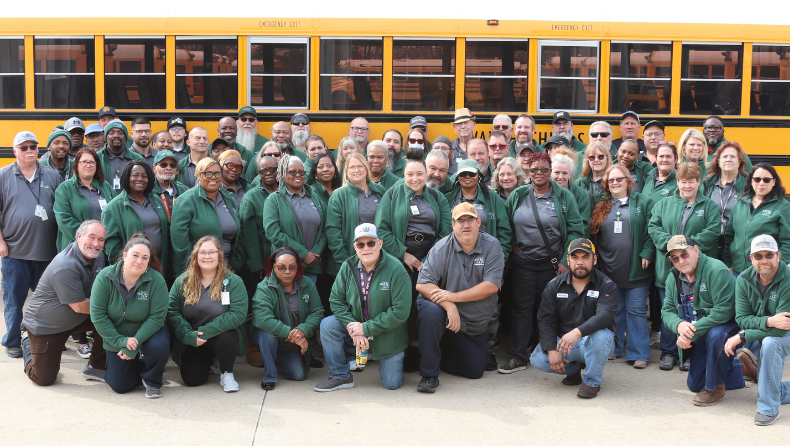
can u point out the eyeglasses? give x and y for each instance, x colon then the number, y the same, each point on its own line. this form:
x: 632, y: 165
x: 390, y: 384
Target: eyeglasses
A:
x: 497, y: 146
x: 666, y: 144
x: 765, y: 180
x: 207, y: 253
x: 300, y: 124
x: 265, y: 170
x: 541, y: 170
x: 369, y: 244
x: 759, y: 257
x: 26, y: 148
x: 416, y: 141
x: 356, y: 168
x: 283, y: 268
x: 683, y: 255
x: 164, y: 165
x: 87, y: 163
x: 598, y: 157
x: 599, y: 134
x: 281, y: 132
x: 234, y: 166
x: 712, y: 127
x: 616, y: 180
x: 212, y: 174
x: 501, y: 127
x: 465, y: 221
x: 360, y: 129
x: 653, y: 134
x: 296, y: 173
x: 248, y: 119
x: 467, y: 174
x: 144, y: 132
x: 275, y: 154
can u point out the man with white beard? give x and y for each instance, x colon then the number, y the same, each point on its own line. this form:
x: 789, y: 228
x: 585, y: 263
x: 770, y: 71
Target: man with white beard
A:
x: 281, y: 135
x: 228, y: 131
x: 166, y: 186
x: 247, y: 131
x: 300, y: 131
x: 360, y: 130
x: 562, y: 125
x: 437, y: 165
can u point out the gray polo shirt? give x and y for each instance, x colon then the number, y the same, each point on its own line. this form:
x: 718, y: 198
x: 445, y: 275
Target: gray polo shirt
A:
x: 635, y: 177
x: 203, y: 311
x: 93, y: 195
x: 116, y: 163
x: 450, y: 268
x: 228, y: 224
x: 180, y: 153
x: 458, y: 155
x: 28, y: 236
x: 725, y: 197
x: 168, y: 194
x: 367, y: 204
x: 307, y: 216
x: 152, y: 226
x: 686, y: 215
x: 67, y: 280
x: 614, y: 258
x: 151, y: 155
x: 422, y: 219
x: 291, y: 304
x: 237, y: 194
x: 189, y: 175
x: 481, y: 208
x: 530, y: 242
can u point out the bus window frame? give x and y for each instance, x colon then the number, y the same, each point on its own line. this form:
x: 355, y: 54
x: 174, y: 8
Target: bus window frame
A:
x: 20, y: 74
x: 364, y: 75
x: 585, y: 43
x: 468, y: 76
x: 740, y: 78
x: 36, y: 74
x: 234, y: 37
x: 752, y: 80
x: 302, y: 40
x: 163, y: 74
x: 640, y: 79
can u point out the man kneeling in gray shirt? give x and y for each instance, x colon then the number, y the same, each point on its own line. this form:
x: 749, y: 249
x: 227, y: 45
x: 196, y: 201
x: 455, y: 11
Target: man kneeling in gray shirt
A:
x: 60, y: 306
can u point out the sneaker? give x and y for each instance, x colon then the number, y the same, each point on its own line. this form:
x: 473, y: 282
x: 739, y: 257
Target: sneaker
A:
x: 354, y: 367
x: 428, y: 384
x: 84, y: 351
x: 492, y: 365
x: 92, y: 374
x: 228, y: 383
x: 640, y: 364
x: 667, y: 362
x: 152, y: 392
x: 765, y: 420
x: 335, y: 384
x: 685, y: 366
x: 75, y: 338
x: 15, y: 351
x: 655, y: 337
x: 514, y: 365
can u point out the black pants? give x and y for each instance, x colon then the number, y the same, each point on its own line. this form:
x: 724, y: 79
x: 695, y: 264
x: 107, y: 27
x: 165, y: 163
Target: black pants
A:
x: 654, y: 301
x: 196, y: 361
x: 529, y: 279
x: 420, y: 250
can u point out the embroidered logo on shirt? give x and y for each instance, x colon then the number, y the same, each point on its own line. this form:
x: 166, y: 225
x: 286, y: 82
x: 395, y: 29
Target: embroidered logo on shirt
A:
x: 479, y: 261
x: 564, y: 208
x: 772, y: 296
x: 306, y: 298
x: 665, y: 192
x: 142, y: 295
x: 550, y: 205
x: 700, y: 213
x: 767, y: 213
x: 637, y: 210
x: 44, y: 185
x: 703, y: 287
x: 384, y: 286
x: 491, y: 216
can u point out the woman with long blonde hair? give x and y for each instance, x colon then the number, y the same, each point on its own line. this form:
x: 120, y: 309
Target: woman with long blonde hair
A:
x: 693, y: 148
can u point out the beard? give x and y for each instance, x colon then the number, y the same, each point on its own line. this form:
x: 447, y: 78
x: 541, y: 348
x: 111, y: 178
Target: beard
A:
x: 283, y: 146
x: 712, y: 142
x: 392, y: 159
x: 434, y: 182
x: 299, y: 138
x: 246, y: 137
x: 583, y: 274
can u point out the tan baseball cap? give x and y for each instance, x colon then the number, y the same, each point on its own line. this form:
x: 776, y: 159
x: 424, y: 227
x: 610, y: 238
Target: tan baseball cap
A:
x: 678, y: 242
x: 463, y: 209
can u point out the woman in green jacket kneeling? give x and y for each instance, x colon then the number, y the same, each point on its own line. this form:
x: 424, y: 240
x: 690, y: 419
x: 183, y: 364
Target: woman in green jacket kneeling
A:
x: 286, y: 312
x: 208, y: 307
x: 128, y: 309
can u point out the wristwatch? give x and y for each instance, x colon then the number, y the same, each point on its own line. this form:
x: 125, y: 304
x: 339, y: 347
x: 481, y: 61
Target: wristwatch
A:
x: 742, y: 335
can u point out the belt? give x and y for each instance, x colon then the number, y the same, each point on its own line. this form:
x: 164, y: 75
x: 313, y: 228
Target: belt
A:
x: 420, y: 237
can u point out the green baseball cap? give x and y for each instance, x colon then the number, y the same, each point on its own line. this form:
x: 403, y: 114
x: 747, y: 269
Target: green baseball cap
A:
x: 163, y: 154
x: 246, y: 110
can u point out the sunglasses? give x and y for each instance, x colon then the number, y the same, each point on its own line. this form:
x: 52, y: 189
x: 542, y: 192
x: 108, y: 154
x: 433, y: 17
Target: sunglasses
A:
x: 296, y: 173
x: 765, y: 180
x: 248, y: 119
x: 283, y: 268
x: 594, y: 157
x: 497, y: 146
x: 467, y: 174
x: 265, y: 170
x: 212, y: 174
x: 759, y: 257
x: 166, y: 165
x: 541, y: 170
x: 369, y: 244
x: 683, y: 255
x: 501, y: 127
x: 300, y: 124
x: 275, y: 154
x: 234, y: 166
x: 416, y: 141
x: 600, y: 134
x: 616, y: 180
x: 26, y: 148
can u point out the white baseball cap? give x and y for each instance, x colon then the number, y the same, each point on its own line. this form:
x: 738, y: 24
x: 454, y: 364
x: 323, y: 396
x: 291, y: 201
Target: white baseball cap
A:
x: 24, y: 136
x: 74, y: 123
x: 764, y: 243
x: 365, y: 230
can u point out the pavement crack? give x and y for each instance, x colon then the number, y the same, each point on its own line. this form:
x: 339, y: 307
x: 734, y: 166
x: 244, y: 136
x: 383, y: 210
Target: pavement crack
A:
x: 255, y: 433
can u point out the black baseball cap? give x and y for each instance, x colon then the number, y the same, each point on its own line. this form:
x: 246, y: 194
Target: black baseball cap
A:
x: 558, y: 139
x: 561, y: 115
x: 656, y: 123
x: 581, y: 244
x: 176, y: 121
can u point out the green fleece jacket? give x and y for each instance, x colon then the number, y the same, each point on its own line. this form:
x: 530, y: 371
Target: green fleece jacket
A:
x: 194, y: 215
x: 105, y: 160
x: 703, y: 227
x: 666, y: 189
x: 498, y: 221
x: 65, y: 171
x: 392, y: 217
x: 117, y: 321
x: 72, y: 208
x: 583, y: 203
x: 708, y: 184
x: 122, y: 222
x: 389, y: 304
x: 232, y: 318
x: 772, y: 217
x: 251, y: 169
x: 642, y: 170
x: 389, y: 179
x: 564, y: 201
x: 342, y: 217
x: 282, y: 229
x: 255, y: 247
x: 714, y: 294
x: 328, y: 263
x: 585, y: 183
x: 752, y: 308
x: 269, y: 304
x: 715, y: 149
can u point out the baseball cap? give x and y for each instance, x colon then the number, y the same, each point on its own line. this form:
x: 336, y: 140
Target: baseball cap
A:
x: 418, y: 121
x: 468, y: 165
x: 443, y: 139
x: 581, y: 244
x: 463, y: 209
x: 764, y: 243
x: 24, y: 136
x: 94, y: 128
x: 163, y: 154
x: 656, y: 123
x: 365, y: 230
x: 630, y: 113
x: 462, y: 115
x: 678, y: 242
x: 246, y: 110
x: 561, y: 115
x: 528, y: 145
x: 176, y: 121
x: 107, y: 111
x: 300, y: 118
x: 74, y: 123
x: 558, y: 139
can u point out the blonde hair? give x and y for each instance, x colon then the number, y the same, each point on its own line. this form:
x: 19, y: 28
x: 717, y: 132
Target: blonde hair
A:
x: 521, y: 177
x: 359, y: 158
x: 684, y: 139
x: 589, y: 151
x: 227, y: 154
x: 347, y: 141
x: 191, y: 286
x: 204, y: 164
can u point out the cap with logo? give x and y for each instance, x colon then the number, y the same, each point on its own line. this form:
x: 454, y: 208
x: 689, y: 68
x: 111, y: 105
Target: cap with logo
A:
x: 462, y: 115
x: 217, y: 142
x: 248, y: 110
x: 418, y: 121
x: 164, y: 154
x: 654, y: 123
x: 74, y: 123
x: 678, y: 242
x: 176, y: 121
x: 116, y: 124
x: 630, y: 113
x: 581, y: 244
x: 464, y: 209
x: 561, y: 115
x: 365, y: 230
x: 526, y: 146
x: 300, y: 118
x: 558, y: 139
x: 59, y: 131
x: 24, y: 136
x: 107, y: 111
x: 764, y: 243
x: 93, y: 128
x: 468, y: 165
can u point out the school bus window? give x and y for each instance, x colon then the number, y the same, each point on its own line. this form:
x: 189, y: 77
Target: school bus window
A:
x: 12, y: 73
x: 423, y: 74
x: 770, y: 94
x: 278, y: 73
x: 206, y: 73
x: 568, y: 76
x: 134, y: 73
x: 710, y: 82
x: 496, y: 75
x: 64, y: 70
x: 639, y: 77
x: 351, y: 74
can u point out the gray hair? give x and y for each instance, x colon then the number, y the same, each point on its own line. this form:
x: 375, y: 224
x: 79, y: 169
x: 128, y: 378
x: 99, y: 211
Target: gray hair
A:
x: 521, y: 176
x: 505, y: 117
x: 374, y: 143
x: 285, y: 162
x: 438, y: 153
x: 266, y: 145
x: 603, y: 123
x: 84, y: 227
x: 565, y: 159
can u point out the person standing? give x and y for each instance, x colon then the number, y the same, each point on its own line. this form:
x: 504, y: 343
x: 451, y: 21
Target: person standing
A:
x: 724, y: 183
x: 114, y: 156
x: 167, y: 187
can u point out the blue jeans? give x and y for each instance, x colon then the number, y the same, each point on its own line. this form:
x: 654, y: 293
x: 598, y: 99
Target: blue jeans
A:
x: 311, y: 276
x: 592, y: 350
x: 632, y: 312
x: 276, y: 354
x: 772, y: 392
x: 710, y: 366
x: 19, y: 277
x: 669, y: 340
x: 336, y: 340
x: 442, y: 349
x: 124, y: 375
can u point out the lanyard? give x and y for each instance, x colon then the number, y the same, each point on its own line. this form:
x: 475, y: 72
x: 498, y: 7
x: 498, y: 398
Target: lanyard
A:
x: 30, y: 185
x: 723, y: 204
x: 364, y: 285
x: 167, y: 208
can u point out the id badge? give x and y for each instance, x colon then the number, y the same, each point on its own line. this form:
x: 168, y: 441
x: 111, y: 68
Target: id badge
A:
x: 102, y: 203
x: 618, y: 227
x: 415, y: 210
x: 225, y: 297
x: 41, y: 212
x: 116, y: 183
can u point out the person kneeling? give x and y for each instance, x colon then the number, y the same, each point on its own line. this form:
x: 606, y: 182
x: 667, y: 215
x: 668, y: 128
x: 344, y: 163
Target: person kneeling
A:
x: 576, y: 322
x: 370, y: 299
x: 208, y: 307
x: 286, y: 311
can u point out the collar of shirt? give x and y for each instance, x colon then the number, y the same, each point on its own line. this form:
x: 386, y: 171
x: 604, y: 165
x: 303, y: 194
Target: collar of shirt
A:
x: 546, y: 196
x: 18, y: 172
x: 362, y: 267
x: 294, y: 194
x: 75, y: 253
x: 278, y: 285
x: 685, y: 279
x: 478, y: 249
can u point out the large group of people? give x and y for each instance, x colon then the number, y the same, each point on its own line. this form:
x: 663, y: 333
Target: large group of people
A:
x: 418, y: 255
